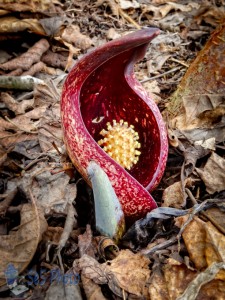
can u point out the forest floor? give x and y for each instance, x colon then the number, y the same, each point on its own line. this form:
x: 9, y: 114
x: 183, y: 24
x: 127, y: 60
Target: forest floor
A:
x: 49, y: 247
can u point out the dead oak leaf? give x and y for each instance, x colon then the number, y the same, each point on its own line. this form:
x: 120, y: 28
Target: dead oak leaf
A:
x: 203, y: 106
x: 131, y: 272
x: 92, y: 269
x: 19, y: 246
x: 204, y: 242
x: 213, y: 174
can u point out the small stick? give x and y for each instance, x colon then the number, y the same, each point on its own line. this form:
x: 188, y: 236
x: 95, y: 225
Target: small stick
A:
x: 70, y: 220
x: 161, y: 75
x: 19, y: 82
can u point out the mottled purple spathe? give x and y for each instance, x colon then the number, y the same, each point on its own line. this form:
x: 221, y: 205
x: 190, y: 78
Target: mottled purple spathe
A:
x: 100, y: 88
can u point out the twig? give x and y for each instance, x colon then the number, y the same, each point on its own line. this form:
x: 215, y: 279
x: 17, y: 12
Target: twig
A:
x: 19, y: 82
x: 70, y: 220
x: 160, y: 246
x: 204, y: 277
x: 128, y: 18
x: 179, y: 62
x: 161, y: 75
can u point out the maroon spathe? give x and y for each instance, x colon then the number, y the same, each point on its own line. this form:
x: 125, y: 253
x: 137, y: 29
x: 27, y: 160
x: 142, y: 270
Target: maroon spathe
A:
x: 100, y: 88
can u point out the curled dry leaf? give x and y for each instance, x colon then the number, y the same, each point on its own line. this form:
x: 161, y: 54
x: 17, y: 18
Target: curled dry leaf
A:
x: 213, y: 174
x: 26, y: 60
x: 12, y: 25
x: 20, y: 245
x: 21, y: 5
x: 85, y: 243
x: 199, y: 99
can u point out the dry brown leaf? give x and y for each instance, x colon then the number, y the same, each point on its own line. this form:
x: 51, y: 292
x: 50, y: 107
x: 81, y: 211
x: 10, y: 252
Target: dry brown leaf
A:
x: 160, y: 12
x: 158, y: 288
x: 3, y: 156
x: 9, y: 139
x: 53, y: 192
x: 129, y: 272
x: 92, y: 269
x: 205, y: 244
x: 92, y: 290
x: 19, y: 246
x: 71, y: 34
x: 21, y: 5
x: 17, y: 107
x: 207, y: 107
x: 12, y: 25
x: 50, y: 130
x: 111, y: 3
x: 24, y: 123
x: 85, y: 243
x: 119, y: 273
x: 4, y: 56
x: 27, y: 59
x: 199, y: 101
x: 210, y: 14
x: 52, y: 234
x: 213, y: 174
x: 52, y: 25
x: 215, y: 246
x: 46, y: 93
x: 217, y: 217
x: 63, y: 289
x: 178, y: 277
x: 173, y: 195
x: 194, y: 237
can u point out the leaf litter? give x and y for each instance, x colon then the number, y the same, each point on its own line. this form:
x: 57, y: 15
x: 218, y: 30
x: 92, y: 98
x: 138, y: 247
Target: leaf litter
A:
x: 47, y: 212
